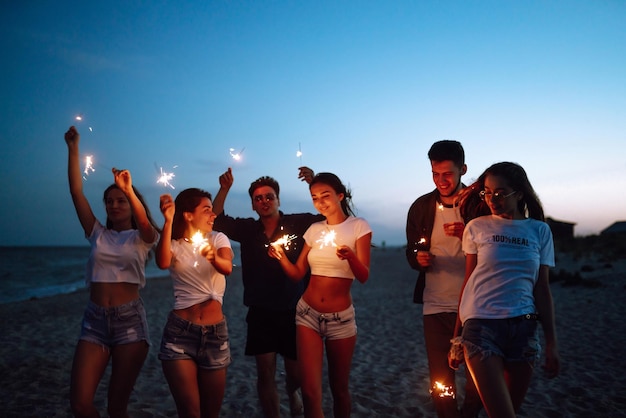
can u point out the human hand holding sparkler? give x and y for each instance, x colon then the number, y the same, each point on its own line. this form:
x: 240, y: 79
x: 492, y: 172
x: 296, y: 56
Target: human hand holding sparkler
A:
x: 72, y: 137
x: 454, y: 229
x: 123, y: 180
x: 226, y: 180
x: 166, y: 204
x: 305, y: 174
x: 422, y: 255
x: 344, y: 252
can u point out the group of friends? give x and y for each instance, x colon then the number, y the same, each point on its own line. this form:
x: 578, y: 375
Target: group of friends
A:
x: 483, y: 253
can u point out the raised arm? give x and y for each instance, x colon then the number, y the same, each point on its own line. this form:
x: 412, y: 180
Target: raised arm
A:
x: 124, y: 181
x: 83, y: 209
x: 164, y: 246
x: 226, y: 181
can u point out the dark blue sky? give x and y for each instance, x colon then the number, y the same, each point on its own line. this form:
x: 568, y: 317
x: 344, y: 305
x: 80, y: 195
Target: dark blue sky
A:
x: 363, y: 88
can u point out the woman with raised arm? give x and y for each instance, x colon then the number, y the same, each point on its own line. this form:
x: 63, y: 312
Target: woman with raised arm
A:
x: 337, y: 251
x: 114, y: 326
x: 195, y: 350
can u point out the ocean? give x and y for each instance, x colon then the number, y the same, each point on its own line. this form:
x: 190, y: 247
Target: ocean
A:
x: 36, y: 272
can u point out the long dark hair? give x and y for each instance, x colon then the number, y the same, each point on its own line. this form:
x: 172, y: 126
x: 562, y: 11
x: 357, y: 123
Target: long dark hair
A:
x: 133, y: 222
x: 186, y: 201
x: 335, y: 183
x: 515, y: 176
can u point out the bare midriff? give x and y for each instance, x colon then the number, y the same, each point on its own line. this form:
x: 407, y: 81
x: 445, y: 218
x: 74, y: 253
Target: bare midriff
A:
x: 328, y: 294
x: 109, y: 295
x: 208, y: 312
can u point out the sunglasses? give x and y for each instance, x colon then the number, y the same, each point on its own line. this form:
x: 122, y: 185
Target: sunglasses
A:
x: 267, y: 197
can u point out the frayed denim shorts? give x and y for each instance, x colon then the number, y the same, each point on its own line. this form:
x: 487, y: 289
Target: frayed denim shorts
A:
x: 513, y: 339
x: 117, y: 325
x: 207, y: 345
x: 332, y: 326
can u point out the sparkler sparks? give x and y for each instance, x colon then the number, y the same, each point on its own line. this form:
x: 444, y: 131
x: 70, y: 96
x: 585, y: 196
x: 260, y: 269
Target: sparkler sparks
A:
x: 299, y: 153
x: 327, y: 239
x: 88, y: 166
x: 165, y: 177
x: 236, y: 155
x: 285, y: 241
x: 420, y: 244
x: 199, y: 242
x: 442, y: 390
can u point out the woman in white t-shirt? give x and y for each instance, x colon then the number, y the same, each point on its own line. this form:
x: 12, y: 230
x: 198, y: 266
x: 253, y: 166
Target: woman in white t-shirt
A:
x: 337, y: 251
x: 506, y: 290
x: 195, y: 348
x: 114, y: 325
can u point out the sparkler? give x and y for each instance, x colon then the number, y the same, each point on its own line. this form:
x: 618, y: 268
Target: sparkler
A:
x: 420, y: 244
x: 236, y: 155
x: 88, y: 166
x: 199, y: 242
x: 285, y: 241
x: 165, y: 177
x: 327, y: 239
x: 79, y: 118
x: 442, y: 390
x: 299, y: 153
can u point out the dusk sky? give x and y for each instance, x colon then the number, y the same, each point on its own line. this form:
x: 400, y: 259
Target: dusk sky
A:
x: 362, y: 88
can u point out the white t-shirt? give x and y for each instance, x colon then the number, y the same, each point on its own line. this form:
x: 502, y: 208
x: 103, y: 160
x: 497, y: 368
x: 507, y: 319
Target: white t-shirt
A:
x: 194, y: 278
x: 444, y: 278
x: 117, y: 257
x: 323, y: 255
x: 509, y: 253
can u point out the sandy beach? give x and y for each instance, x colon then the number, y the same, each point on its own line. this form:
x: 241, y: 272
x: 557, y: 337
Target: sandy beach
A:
x: 389, y: 376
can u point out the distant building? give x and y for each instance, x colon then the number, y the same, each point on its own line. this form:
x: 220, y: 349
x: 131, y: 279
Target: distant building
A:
x: 560, y: 229
x: 618, y: 227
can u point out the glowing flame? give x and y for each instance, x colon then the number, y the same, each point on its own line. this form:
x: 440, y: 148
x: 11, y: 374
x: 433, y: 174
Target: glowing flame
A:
x: 440, y: 206
x: 164, y: 178
x: 88, y: 165
x: 199, y: 241
x: 236, y: 155
x: 327, y: 239
x: 285, y: 241
x: 79, y: 117
x: 443, y: 391
x: 420, y: 244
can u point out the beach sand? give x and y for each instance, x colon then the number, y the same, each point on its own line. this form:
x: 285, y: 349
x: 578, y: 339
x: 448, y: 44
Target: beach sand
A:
x: 389, y: 375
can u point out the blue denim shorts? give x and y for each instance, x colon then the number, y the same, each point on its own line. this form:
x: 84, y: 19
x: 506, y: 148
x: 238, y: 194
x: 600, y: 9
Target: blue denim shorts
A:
x: 108, y: 327
x: 207, y: 345
x: 332, y: 326
x: 513, y: 339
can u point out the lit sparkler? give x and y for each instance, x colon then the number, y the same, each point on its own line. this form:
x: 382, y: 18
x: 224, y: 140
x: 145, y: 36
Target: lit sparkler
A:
x: 165, y: 177
x: 299, y: 153
x: 420, y: 244
x: 88, y: 166
x: 285, y: 241
x: 199, y: 242
x: 442, y: 390
x: 327, y: 239
x: 236, y: 155
x: 79, y: 118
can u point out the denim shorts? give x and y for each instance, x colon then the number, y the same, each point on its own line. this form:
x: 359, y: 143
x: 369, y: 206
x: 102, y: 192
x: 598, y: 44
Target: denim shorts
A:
x: 513, y: 339
x: 207, y: 345
x: 108, y: 327
x: 332, y: 326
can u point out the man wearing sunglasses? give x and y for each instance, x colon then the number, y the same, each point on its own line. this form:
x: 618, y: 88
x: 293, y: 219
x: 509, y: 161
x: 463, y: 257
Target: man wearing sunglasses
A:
x: 270, y: 296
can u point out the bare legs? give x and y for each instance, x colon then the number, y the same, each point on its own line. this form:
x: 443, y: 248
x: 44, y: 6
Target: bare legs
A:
x: 310, y: 355
x: 197, y: 392
x: 502, y: 386
x: 90, y: 362
x: 267, y: 388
